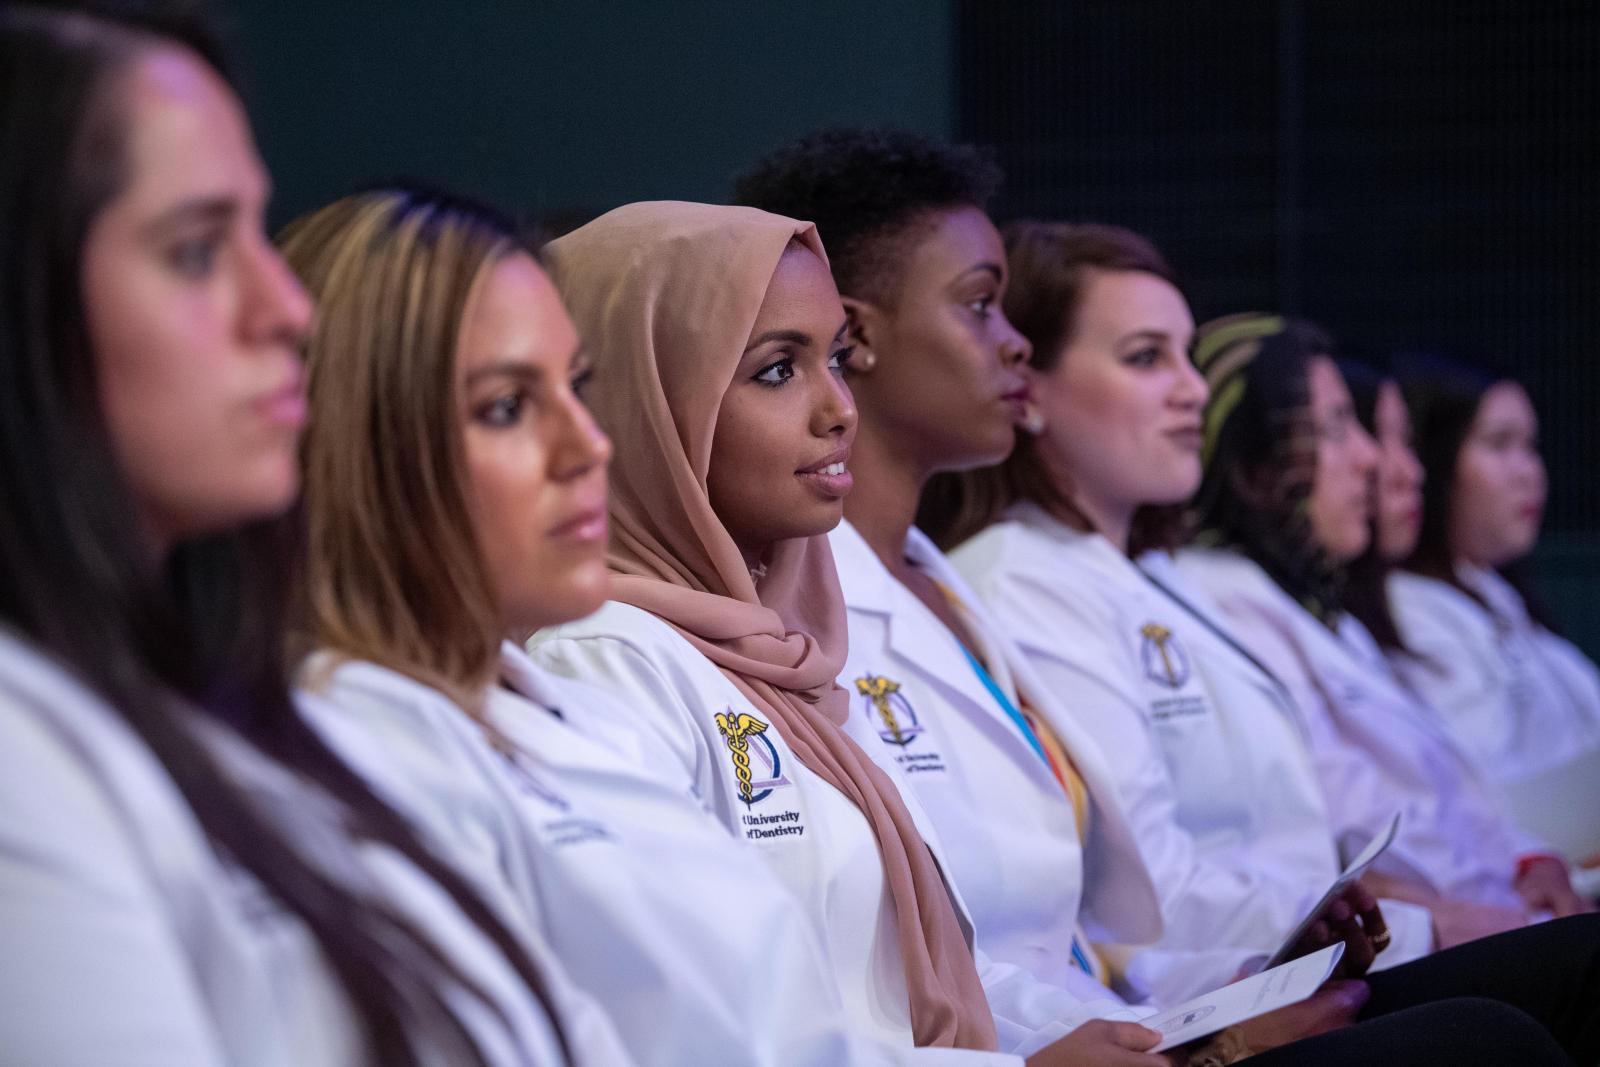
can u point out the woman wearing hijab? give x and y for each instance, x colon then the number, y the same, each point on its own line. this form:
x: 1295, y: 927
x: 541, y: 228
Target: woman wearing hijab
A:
x: 717, y: 339
x: 665, y: 293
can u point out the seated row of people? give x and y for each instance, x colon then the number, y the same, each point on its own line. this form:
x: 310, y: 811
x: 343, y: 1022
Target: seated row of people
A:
x: 485, y: 723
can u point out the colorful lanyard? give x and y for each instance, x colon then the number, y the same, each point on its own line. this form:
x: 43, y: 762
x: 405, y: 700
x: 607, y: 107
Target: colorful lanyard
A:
x: 1012, y: 711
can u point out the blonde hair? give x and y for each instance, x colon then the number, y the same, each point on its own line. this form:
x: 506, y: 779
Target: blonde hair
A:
x: 391, y: 570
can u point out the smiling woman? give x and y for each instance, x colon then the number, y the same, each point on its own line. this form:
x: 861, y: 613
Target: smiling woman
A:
x: 766, y: 490
x: 727, y: 629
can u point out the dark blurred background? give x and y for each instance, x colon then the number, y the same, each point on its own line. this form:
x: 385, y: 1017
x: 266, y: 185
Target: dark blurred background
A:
x: 1420, y: 175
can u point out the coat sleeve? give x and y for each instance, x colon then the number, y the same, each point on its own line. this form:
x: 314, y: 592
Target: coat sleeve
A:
x: 93, y: 970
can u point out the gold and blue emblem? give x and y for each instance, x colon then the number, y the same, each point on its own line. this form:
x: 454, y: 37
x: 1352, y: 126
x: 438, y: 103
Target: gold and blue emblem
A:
x: 1163, y: 658
x: 897, y: 723
x: 746, y: 738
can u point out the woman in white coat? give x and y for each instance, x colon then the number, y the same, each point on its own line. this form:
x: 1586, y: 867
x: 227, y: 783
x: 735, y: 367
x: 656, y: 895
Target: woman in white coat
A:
x: 188, y: 875
x: 533, y: 781
x: 1518, y: 698
x: 1207, y: 753
x: 733, y: 430
x: 1284, y: 506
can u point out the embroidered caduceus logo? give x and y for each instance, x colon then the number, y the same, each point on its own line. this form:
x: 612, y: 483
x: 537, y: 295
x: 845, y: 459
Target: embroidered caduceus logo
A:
x: 891, y: 706
x: 877, y: 690
x: 736, y: 730
x: 1162, y: 650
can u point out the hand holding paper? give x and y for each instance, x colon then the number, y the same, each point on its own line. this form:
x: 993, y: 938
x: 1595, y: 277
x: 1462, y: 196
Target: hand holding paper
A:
x: 1256, y: 995
x: 1341, y: 906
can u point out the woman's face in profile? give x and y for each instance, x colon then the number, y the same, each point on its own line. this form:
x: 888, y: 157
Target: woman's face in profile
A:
x: 780, y: 452
x: 1122, y: 406
x: 1398, y: 500
x: 194, y: 321
x: 1500, y: 482
x: 1340, y: 506
x: 946, y: 385
x: 536, y: 462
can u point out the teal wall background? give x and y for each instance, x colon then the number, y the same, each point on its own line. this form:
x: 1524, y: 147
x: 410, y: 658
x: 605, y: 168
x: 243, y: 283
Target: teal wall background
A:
x: 560, y: 107
x: 548, y: 107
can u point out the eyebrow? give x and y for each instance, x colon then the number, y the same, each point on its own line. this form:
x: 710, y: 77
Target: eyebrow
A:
x: 507, y: 368
x: 987, y: 265
x: 793, y: 337
x: 204, y: 209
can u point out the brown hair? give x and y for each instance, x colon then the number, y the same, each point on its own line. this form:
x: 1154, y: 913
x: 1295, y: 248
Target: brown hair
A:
x: 1050, y: 265
x: 392, y: 571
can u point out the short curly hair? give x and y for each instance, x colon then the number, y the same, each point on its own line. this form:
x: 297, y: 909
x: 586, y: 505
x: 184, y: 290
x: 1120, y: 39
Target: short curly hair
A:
x: 868, y: 191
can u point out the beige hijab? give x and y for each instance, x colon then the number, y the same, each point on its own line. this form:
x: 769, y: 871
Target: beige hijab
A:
x: 665, y: 295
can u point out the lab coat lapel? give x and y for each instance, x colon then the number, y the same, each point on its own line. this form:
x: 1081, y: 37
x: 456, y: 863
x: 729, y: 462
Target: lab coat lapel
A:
x: 1128, y: 906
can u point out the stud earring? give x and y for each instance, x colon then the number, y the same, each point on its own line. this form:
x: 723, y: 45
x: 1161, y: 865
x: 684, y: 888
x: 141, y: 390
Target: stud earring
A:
x: 1032, y: 421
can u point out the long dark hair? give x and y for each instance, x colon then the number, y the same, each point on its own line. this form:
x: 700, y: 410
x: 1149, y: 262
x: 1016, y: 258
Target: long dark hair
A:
x: 1443, y: 396
x: 1050, y: 265
x: 1366, y: 594
x: 197, y: 635
x: 1261, y: 452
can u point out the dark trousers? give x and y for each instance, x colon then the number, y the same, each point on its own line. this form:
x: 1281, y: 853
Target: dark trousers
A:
x: 1526, y: 997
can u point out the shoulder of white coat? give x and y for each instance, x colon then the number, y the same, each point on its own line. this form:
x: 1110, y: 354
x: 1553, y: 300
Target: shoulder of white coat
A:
x: 644, y: 666
x: 1498, y: 593
x: 621, y: 637
x: 1231, y: 578
x: 53, y: 728
x: 601, y: 714
x: 343, y: 694
x: 615, y: 624
x: 33, y: 682
x: 1430, y: 612
x: 1064, y: 574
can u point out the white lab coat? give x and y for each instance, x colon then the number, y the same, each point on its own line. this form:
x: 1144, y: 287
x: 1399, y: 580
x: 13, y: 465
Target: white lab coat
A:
x: 1518, y: 699
x: 127, y: 939
x: 1378, y: 747
x: 814, y: 837
x: 1008, y: 830
x: 1207, y: 752
x: 689, y: 944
